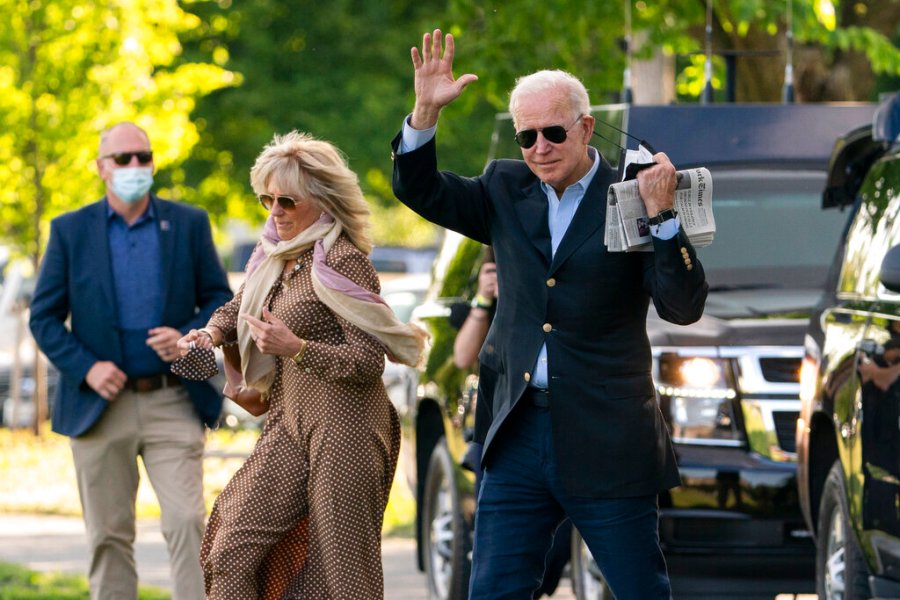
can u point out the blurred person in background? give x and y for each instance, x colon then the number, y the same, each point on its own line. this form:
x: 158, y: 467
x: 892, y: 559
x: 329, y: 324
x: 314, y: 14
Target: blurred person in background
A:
x: 121, y: 281
x: 302, y: 517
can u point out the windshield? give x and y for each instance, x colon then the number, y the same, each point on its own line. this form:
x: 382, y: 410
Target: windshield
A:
x: 770, y: 230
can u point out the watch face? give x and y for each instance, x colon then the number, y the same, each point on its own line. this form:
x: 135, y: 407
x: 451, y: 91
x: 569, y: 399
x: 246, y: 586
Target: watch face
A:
x: 663, y: 215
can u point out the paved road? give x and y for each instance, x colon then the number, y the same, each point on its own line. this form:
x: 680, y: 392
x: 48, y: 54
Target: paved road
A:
x: 47, y: 543
x: 58, y: 544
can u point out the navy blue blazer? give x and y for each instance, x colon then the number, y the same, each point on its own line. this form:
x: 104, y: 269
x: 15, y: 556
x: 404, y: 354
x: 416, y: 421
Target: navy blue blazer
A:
x: 588, y: 305
x: 75, y: 281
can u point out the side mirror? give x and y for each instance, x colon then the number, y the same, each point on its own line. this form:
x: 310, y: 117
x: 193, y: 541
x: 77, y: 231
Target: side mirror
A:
x: 853, y: 154
x: 890, y: 269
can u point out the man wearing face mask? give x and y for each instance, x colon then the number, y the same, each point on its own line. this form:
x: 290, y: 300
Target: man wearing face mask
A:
x: 121, y: 281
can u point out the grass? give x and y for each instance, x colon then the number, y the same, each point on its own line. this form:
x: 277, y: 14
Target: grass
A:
x: 37, y: 476
x: 18, y: 583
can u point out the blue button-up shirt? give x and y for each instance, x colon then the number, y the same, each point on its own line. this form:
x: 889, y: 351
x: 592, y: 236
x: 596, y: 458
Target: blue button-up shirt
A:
x: 137, y: 279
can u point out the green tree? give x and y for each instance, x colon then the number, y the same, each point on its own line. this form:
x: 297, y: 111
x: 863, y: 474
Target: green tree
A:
x: 339, y: 70
x: 841, y: 47
x: 69, y: 68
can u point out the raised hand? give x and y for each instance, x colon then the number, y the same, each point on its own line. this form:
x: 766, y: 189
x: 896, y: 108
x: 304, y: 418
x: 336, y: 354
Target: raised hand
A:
x: 487, y: 280
x: 434, y: 82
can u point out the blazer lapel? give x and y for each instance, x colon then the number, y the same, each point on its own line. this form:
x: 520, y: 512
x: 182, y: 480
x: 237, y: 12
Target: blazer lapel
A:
x: 590, y: 216
x: 98, y: 247
x: 531, y: 209
x: 165, y: 225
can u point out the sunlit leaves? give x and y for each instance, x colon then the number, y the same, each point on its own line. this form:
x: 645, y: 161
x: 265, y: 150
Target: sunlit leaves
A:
x: 69, y: 68
x: 825, y: 14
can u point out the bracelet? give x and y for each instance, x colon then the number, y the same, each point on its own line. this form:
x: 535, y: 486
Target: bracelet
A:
x: 208, y: 332
x: 480, y: 301
x: 299, y: 356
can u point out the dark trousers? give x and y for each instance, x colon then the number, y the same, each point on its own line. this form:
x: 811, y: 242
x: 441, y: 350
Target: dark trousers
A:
x: 522, y: 502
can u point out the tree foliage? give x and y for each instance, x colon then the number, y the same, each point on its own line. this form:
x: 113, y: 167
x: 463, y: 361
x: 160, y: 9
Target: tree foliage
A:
x: 338, y: 70
x: 213, y: 80
x: 68, y: 69
x: 341, y: 70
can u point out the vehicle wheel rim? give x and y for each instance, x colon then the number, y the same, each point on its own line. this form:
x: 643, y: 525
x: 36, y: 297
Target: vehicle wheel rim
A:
x: 441, y: 536
x: 835, y: 558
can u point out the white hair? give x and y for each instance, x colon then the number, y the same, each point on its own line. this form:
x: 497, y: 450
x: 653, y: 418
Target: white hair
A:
x: 542, y: 82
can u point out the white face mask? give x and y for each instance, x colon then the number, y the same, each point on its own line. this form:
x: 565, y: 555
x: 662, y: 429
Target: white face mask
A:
x: 131, y: 183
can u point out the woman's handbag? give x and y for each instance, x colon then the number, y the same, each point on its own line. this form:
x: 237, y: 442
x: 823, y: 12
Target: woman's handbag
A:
x: 249, y: 399
x: 199, y: 364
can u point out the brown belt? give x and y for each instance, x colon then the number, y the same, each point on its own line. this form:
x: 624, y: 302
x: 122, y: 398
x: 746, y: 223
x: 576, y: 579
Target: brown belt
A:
x: 143, y: 385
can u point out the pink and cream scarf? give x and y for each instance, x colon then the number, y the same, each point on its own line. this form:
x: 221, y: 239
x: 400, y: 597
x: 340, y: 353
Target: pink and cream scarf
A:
x: 404, y: 343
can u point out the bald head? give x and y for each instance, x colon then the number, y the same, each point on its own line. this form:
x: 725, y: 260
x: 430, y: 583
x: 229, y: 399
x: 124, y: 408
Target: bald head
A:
x: 125, y: 132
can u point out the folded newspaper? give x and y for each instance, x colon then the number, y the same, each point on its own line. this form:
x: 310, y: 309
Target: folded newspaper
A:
x: 627, y: 222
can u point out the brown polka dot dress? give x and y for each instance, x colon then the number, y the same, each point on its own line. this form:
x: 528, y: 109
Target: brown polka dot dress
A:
x: 302, y: 517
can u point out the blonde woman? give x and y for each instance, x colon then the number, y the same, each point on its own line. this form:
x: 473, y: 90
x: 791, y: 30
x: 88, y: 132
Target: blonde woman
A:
x: 302, y: 517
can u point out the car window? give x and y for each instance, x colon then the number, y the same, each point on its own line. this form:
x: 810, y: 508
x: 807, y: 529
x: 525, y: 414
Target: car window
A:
x: 874, y: 230
x: 770, y: 230
x: 405, y: 293
x: 403, y: 303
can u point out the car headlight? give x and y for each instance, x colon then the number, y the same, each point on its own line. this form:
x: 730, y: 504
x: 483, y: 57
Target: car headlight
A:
x: 698, y: 400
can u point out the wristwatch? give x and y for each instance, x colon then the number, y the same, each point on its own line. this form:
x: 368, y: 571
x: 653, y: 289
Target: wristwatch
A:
x: 480, y: 301
x: 663, y: 216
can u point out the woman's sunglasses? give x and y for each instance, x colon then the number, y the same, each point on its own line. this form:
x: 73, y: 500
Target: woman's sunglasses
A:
x: 124, y: 158
x: 555, y: 134
x: 286, y: 202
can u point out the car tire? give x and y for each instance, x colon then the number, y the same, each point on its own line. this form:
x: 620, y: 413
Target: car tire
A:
x: 841, y: 571
x: 588, y: 582
x: 446, y: 537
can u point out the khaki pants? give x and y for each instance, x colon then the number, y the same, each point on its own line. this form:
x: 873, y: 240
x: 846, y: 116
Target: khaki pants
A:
x: 164, y: 430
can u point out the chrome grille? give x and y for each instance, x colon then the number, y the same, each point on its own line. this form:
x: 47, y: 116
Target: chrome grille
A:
x: 785, y: 429
x: 781, y: 369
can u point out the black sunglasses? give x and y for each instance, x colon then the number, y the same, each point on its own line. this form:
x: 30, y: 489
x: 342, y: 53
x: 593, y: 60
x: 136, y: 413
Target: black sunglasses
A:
x: 123, y: 158
x: 555, y: 134
x: 286, y: 202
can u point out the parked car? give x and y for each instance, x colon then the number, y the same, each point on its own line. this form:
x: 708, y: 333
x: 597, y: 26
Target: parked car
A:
x: 727, y: 385
x: 848, y: 434
x: 403, y: 295
x: 18, y: 351
x: 402, y: 260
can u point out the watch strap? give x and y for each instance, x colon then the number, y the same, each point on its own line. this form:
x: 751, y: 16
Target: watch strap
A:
x: 663, y: 216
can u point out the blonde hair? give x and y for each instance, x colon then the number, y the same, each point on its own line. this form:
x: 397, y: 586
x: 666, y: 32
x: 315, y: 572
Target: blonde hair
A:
x: 315, y: 170
x: 542, y: 82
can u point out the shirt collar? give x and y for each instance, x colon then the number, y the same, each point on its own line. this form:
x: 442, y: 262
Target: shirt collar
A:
x: 148, y: 214
x: 582, y: 184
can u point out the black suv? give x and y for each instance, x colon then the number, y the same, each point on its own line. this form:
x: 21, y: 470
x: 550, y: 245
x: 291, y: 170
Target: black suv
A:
x: 848, y: 434
x: 728, y: 385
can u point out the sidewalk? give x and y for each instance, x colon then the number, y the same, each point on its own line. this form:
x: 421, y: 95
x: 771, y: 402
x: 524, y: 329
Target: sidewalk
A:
x: 52, y: 543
